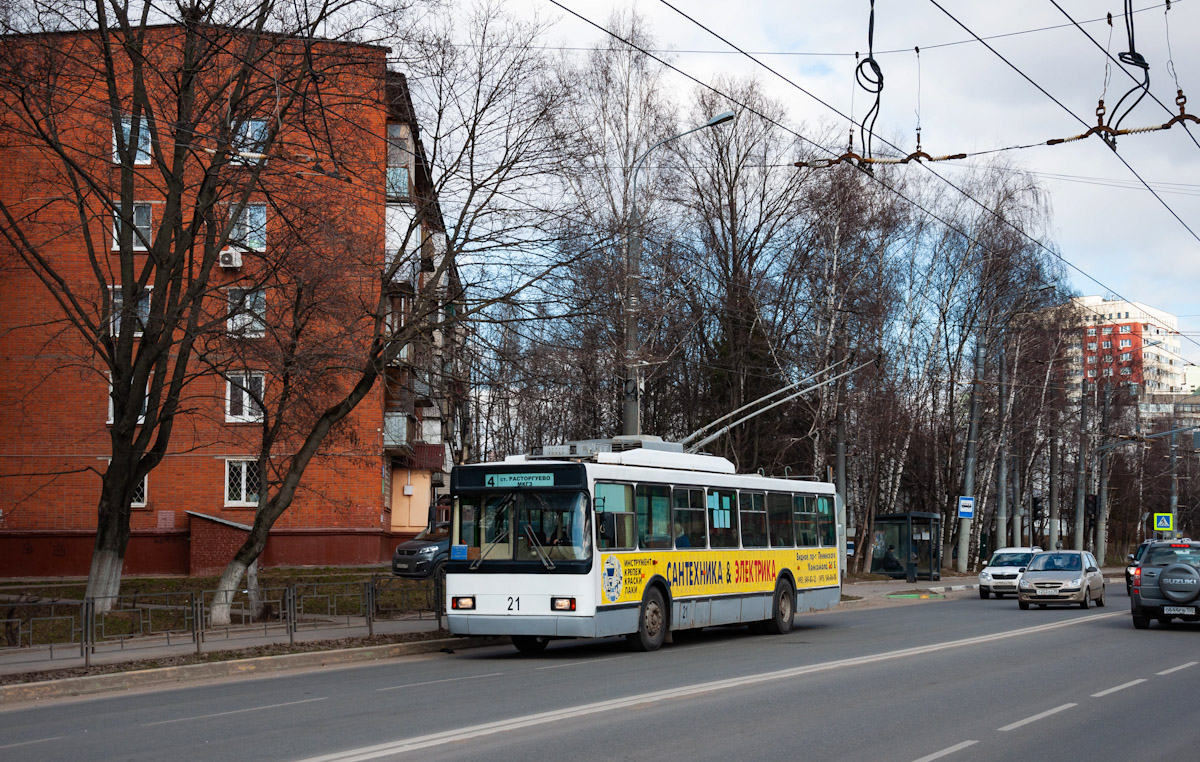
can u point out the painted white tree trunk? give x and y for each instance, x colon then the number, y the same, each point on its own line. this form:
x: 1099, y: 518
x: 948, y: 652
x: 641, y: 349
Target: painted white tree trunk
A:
x: 220, y: 613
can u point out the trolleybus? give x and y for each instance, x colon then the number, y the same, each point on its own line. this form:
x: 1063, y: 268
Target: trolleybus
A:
x: 589, y: 540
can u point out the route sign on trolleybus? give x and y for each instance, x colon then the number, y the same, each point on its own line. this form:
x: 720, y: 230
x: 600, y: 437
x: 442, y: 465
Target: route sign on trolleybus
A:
x: 633, y: 537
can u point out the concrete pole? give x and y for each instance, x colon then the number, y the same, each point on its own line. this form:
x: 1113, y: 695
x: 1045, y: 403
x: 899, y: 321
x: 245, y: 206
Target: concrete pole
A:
x: 845, y: 514
x: 631, y: 416
x: 964, y: 525
x: 1018, y: 531
x: 1002, y: 459
x: 1102, y: 492
x: 1081, y: 468
x: 1174, y: 489
x: 1055, y: 447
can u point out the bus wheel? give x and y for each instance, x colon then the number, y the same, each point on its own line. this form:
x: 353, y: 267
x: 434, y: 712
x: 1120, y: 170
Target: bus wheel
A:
x: 530, y: 645
x: 652, y: 623
x: 783, y: 609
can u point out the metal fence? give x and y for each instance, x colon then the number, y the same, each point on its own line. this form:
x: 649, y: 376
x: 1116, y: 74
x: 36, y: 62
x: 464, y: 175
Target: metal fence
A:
x: 41, y: 628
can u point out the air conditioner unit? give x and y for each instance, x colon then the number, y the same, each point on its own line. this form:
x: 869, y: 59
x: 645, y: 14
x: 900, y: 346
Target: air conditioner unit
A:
x: 230, y: 258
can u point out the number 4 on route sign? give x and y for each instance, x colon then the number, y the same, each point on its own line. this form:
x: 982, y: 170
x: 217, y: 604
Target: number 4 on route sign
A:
x: 966, y: 507
x: 1163, y: 522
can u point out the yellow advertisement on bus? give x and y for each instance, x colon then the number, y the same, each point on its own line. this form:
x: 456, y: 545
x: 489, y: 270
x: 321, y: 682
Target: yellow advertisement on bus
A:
x: 688, y: 573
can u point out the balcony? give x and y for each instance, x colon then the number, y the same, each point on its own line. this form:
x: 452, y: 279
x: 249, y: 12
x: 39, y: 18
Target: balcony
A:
x: 396, y: 430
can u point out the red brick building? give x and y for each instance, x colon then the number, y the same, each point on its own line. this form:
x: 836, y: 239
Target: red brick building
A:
x: 301, y: 195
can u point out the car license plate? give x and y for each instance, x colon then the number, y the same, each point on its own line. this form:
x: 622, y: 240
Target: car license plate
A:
x: 1047, y: 592
x: 1185, y: 610
x: 401, y: 566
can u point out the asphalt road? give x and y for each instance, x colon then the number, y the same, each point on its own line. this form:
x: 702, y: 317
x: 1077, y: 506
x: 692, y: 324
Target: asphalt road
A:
x: 956, y: 679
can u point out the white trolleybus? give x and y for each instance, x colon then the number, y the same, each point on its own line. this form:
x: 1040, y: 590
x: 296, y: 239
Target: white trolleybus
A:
x: 584, y: 541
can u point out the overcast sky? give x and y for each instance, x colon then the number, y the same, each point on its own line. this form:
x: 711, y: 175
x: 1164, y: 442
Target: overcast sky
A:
x: 1116, y: 236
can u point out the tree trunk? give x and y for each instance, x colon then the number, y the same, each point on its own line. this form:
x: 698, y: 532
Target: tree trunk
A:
x: 108, y: 555
x: 219, y: 615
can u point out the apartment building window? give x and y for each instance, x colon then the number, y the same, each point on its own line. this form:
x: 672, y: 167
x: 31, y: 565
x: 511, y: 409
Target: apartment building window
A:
x: 141, y: 154
x: 112, y: 416
x: 1126, y: 343
x: 247, y: 313
x: 1108, y: 345
x: 1107, y: 372
x: 243, y: 397
x: 1108, y: 358
x: 1126, y: 356
x: 1126, y: 371
x: 243, y: 481
x: 397, y: 162
x: 141, y: 316
x: 138, y: 498
x: 1106, y: 330
x: 1126, y: 328
x: 250, y: 138
x: 1091, y: 332
x: 1091, y: 373
x: 1091, y: 346
x: 1091, y: 358
x: 249, y: 230
x: 143, y: 231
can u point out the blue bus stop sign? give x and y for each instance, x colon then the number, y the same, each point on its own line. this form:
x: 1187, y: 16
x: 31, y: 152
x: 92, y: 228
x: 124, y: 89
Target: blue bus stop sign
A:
x: 966, y: 507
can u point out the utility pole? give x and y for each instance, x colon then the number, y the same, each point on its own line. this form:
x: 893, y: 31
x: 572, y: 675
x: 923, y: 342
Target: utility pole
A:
x: 1002, y: 458
x: 968, y: 490
x: 1102, y: 493
x: 1018, y: 530
x: 1081, y: 467
x: 1174, y: 486
x: 631, y: 423
x: 1055, y: 447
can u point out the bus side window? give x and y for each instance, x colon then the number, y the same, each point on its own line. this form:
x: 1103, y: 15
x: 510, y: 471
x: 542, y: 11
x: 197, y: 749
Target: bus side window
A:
x: 825, y: 526
x: 753, y: 515
x: 722, y: 519
x: 688, y: 519
x: 654, y: 516
x: 779, y: 519
x: 806, y: 521
x: 616, y: 500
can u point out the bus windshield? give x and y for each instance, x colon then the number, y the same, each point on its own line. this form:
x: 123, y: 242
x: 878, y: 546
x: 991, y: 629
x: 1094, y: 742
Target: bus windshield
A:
x: 524, y: 526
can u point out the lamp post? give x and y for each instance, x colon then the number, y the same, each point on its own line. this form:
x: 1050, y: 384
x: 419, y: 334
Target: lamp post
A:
x: 631, y: 418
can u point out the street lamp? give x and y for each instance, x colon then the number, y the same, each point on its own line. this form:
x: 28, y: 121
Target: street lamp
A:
x: 631, y: 419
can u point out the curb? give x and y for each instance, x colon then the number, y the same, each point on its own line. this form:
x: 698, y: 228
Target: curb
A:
x: 118, y: 681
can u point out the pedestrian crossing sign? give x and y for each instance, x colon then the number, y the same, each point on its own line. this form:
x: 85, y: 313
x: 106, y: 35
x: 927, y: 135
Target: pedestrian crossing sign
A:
x: 1164, y: 522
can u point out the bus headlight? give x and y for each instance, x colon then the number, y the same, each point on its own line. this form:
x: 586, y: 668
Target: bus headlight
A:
x: 562, y: 604
x: 463, y: 602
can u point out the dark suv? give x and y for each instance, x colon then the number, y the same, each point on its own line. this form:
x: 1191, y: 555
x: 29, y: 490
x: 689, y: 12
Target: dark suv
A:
x: 425, y: 555
x: 1166, y: 584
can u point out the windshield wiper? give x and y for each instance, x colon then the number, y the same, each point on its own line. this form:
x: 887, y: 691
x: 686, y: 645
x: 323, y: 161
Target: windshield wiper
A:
x: 536, y: 545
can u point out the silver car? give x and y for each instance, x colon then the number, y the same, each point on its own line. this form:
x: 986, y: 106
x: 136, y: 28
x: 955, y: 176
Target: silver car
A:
x: 1061, y: 576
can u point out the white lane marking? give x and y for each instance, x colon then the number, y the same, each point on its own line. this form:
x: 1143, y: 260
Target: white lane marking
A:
x: 516, y: 723
x: 1036, y: 717
x: 233, y: 711
x: 946, y: 751
x: 1129, y: 684
x: 27, y: 743
x: 586, y: 661
x: 1176, y: 669
x: 431, y: 682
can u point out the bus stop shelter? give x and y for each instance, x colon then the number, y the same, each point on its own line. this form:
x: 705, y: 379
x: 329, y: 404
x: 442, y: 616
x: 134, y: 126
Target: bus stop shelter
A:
x: 908, y: 546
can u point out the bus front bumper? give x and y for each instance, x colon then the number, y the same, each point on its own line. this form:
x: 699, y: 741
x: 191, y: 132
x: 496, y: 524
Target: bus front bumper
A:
x: 549, y: 626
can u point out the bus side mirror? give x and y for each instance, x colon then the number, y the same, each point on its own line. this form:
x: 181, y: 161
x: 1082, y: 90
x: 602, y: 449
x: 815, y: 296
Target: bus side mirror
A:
x: 608, y: 529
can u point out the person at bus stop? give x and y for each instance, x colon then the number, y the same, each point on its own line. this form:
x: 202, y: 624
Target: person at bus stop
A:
x: 891, y: 562
x: 681, y: 538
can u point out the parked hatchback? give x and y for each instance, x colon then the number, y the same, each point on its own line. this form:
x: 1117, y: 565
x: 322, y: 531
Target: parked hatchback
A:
x: 1061, y: 576
x: 1003, y: 572
x: 1166, y: 584
x: 425, y: 555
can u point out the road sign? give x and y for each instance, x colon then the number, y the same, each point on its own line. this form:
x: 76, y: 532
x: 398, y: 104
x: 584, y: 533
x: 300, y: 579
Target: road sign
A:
x: 966, y: 507
x: 1164, y: 522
